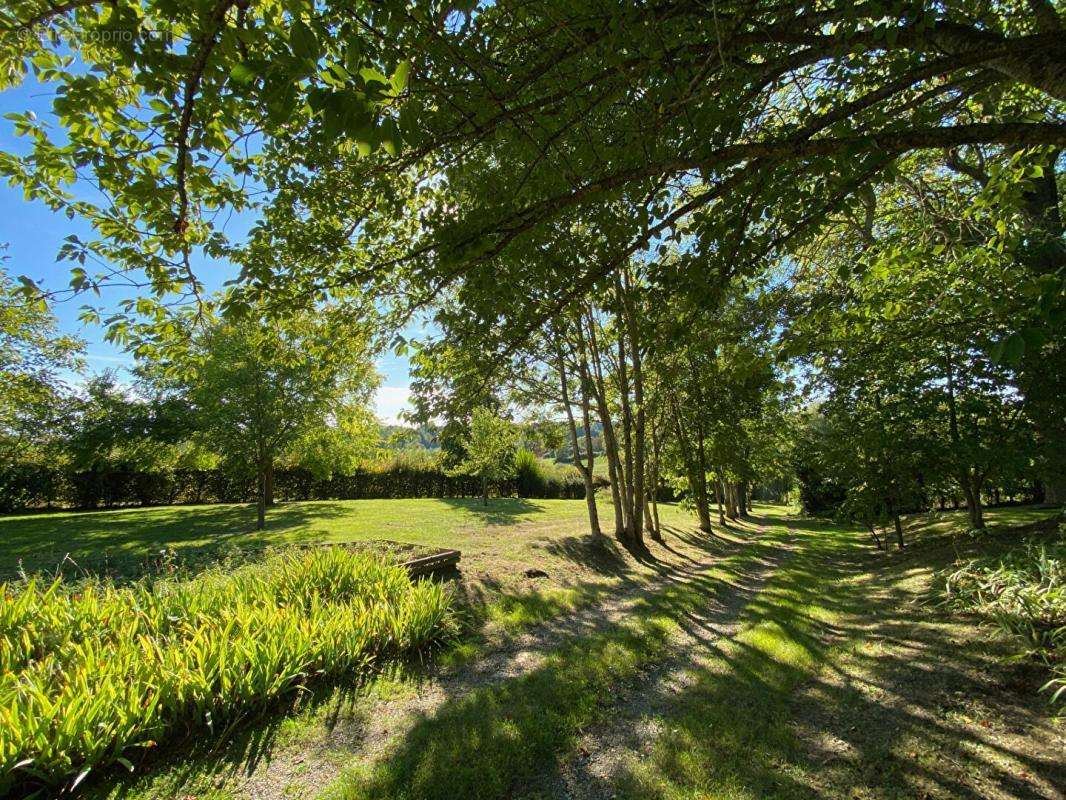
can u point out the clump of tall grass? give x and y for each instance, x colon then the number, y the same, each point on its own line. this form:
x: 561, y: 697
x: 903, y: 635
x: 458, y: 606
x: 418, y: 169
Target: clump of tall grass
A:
x: 538, y: 477
x: 1023, y: 593
x: 92, y: 674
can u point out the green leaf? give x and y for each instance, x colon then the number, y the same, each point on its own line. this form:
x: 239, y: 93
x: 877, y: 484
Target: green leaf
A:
x: 1013, y: 349
x: 303, y: 42
x: 400, y: 76
x: 242, y: 73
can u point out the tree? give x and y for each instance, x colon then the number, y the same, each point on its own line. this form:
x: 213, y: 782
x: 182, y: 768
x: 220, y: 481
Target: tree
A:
x: 257, y: 386
x: 111, y: 427
x: 490, y: 449
x: 33, y: 358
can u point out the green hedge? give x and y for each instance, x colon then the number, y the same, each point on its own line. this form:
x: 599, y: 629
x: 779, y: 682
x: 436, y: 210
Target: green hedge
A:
x: 27, y: 487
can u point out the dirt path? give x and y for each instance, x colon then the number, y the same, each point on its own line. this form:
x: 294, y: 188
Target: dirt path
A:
x: 636, y: 715
x: 307, y: 769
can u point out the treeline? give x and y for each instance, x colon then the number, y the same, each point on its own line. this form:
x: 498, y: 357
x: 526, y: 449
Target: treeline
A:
x: 32, y: 486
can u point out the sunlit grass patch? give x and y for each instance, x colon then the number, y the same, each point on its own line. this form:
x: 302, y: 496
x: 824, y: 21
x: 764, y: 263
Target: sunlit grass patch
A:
x: 516, y: 612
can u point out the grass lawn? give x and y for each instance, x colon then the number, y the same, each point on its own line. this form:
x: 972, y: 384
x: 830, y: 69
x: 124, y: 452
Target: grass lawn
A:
x: 508, y: 534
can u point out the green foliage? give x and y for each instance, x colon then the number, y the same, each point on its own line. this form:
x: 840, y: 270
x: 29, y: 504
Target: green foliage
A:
x: 94, y: 674
x: 1024, y: 595
x: 338, y: 446
x: 536, y: 477
x: 490, y: 447
x: 33, y: 354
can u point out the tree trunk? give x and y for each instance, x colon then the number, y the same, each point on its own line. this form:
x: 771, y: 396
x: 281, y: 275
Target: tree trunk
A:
x: 260, y: 500
x: 718, y: 492
x: 610, y: 443
x: 873, y: 532
x: 640, y: 498
x: 584, y: 469
x: 650, y: 525
x: 484, y: 490
x: 629, y: 503
x: 653, y: 480
x: 742, y: 498
x: 731, y: 500
x: 268, y: 484
x: 702, y: 509
x: 890, y: 505
x: 973, y: 503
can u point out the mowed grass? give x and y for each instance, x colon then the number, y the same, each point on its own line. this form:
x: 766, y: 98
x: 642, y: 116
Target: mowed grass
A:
x: 508, y: 530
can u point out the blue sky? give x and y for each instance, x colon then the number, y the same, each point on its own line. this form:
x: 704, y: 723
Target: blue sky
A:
x: 33, y: 235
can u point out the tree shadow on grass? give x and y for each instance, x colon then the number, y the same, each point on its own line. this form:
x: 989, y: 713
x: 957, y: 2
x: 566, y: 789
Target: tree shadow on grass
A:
x: 593, y: 551
x: 786, y: 710
x: 499, y: 511
x: 126, y: 543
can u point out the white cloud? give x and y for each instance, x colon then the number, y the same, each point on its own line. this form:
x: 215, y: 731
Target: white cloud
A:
x: 389, y: 401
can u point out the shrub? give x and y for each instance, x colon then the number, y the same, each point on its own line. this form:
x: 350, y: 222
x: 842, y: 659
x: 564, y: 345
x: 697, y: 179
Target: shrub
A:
x: 1024, y: 594
x: 93, y: 673
x: 536, y: 477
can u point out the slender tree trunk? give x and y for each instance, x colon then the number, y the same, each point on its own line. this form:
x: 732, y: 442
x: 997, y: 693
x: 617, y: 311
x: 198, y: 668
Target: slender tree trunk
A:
x: 260, y: 500
x: 742, y: 498
x: 268, y: 484
x: 484, y: 490
x: 718, y: 492
x: 653, y: 491
x: 691, y: 467
x: 894, y: 513
x: 630, y: 522
x: 967, y: 479
x: 640, y: 496
x: 731, y: 500
x: 585, y: 470
x: 590, y: 473
x: 610, y: 442
x: 971, y: 490
x: 699, y: 487
x: 873, y: 532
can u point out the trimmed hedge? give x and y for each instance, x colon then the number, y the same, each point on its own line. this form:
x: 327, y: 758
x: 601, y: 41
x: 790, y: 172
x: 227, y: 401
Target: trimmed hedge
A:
x: 27, y: 487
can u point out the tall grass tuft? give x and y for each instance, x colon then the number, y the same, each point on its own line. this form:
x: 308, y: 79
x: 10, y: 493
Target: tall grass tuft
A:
x: 1024, y: 594
x: 91, y: 675
x: 537, y: 477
